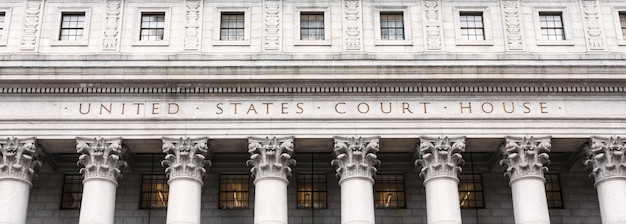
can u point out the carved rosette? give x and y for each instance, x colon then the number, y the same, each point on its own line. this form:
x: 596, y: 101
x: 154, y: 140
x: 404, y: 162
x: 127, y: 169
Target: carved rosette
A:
x: 356, y: 157
x: 19, y: 159
x: 192, y: 24
x: 30, y: 29
x: 512, y: 25
x: 440, y: 157
x: 352, y: 24
x: 185, y: 157
x: 593, y: 31
x: 523, y: 157
x: 113, y: 8
x: 432, y: 11
x: 605, y: 158
x: 270, y: 157
x: 272, y: 13
x: 101, y: 158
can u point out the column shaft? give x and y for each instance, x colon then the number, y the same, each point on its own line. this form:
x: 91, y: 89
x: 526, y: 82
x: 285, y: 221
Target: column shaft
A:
x: 357, y: 201
x: 270, y: 201
x: 529, y: 201
x: 442, y: 201
x: 13, y: 201
x: 612, y: 199
x: 183, y: 204
x: 98, y: 202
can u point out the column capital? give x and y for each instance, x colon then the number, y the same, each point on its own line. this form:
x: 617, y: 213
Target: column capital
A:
x: 356, y: 157
x: 270, y: 157
x: 525, y: 156
x: 605, y: 157
x: 19, y: 158
x: 100, y: 157
x: 185, y: 157
x: 440, y: 157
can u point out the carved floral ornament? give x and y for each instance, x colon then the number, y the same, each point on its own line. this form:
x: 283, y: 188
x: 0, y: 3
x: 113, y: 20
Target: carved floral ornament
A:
x: 270, y: 157
x: 605, y: 158
x: 185, y: 157
x: 100, y: 157
x: 526, y: 156
x: 440, y: 157
x: 19, y: 158
x: 356, y: 157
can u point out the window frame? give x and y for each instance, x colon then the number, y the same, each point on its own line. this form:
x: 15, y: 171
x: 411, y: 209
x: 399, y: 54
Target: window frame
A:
x: 327, y: 26
x: 217, y: 22
x: 5, y: 26
x: 559, y: 191
x: 79, y: 178
x: 565, y: 19
x: 482, y: 189
x: 406, y: 17
x: 487, y: 28
x: 137, y: 26
x: 302, y: 179
x: 396, y: 183
x: 84, y: 40
x: 160, y: 177
x: 223, y: 202
x: 617, y: 10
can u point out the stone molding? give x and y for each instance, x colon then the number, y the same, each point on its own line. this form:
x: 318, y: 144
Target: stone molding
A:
x: 605, y: 158
x: 192, y: 24
x: 356, y: 157
x: 31, y: 27
x: 525, y: 157
x: 512, y: 25
x: 272, y: 12
x: 353, y: 24
x: 185, y: 157
x: 592, y: 21
x: 440, y: 157
x: 271, y: 157
x: 19, y: 159
x: 433, y: 25
x: 111, y: 31
x: 100, y: 157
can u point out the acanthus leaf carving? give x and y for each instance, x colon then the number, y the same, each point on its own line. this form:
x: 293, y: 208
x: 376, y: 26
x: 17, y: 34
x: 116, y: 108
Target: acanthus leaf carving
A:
x: 593, y: 31
x: 271, y: 157
x: 31, y: 28
x: 433, y: 24
x: 440, y: 157
x: 272, y: 24
x: 113, y: 9
x: 512, y: 24
x: 192, y: 25
x: 100, y: 157
x: 356, y: 157
x: 604, y: 157
x: 352, y: 24
x: 526, y: 156
x: 185, y: 157
x: 19, y: 158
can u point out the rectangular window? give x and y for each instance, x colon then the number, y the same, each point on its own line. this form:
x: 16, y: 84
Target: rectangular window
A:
x: 154, y: 191
x: 553, y: 190
x: 312, y: 191
x: 389, y: 191
x: 471, y: 191
x: 391, y: 26
x: 2, y: 15
x: 622, y: 22
x: 72, y: 191
x: 232, y: 26
x: 551, y: 24
x: 72, y: 26
x: 152, y: 26
x: 472, y: 26
x: 312, y: 26
x: 234, y: 191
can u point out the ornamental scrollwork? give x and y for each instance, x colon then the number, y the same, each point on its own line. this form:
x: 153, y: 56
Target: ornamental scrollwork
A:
x: 185, y: 157
x: 19, y: 158
x: 100, y: 157
x: 356, y: 156
x: 440, y: 157
x: 271, y: 157
x: 526, y: 156
x: 605, y: 158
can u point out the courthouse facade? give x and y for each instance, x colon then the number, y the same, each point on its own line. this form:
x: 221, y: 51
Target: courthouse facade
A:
x: 312, y: 111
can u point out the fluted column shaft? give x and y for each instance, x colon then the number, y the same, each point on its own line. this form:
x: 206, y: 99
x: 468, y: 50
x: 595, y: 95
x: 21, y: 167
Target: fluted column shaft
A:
x: 185, y: 160
x: 102, y: 160
x: 526, y: 160
x: 605, y: 158
x: 18, y: 161
x: 355, y: 161
x: 270, y: 159
x: 440, y: 159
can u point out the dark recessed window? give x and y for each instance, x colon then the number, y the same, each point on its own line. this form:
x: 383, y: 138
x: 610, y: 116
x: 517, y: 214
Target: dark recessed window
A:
x: 72, y: 26
x: 152, y: 26
x: 553, y: 190
x: 2, y: 18
x: 72, y: 191
x: 234, y: 191
x: 471, y: 191
x: 154, y: 191
x: 391, y: 26
x: 551, y: 25
x: 312, y: 191
x: 472, y: 27
x: 232, y: 26
x: 389, y: 191
x: 312, y: 26
x: 622, y: 22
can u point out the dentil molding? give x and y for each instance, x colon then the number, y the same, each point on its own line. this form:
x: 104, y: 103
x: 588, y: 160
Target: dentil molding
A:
x: 605, y: 158
x: 185, y: 157
x: 100, y: 157
x: 271, y: 157
x: 356, y: 157
x: 525, y: 156
x: 440, y: 157
x: 19, y: 158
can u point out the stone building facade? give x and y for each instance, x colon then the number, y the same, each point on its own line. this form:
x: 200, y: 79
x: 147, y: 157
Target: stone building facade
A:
x: 312, y: 111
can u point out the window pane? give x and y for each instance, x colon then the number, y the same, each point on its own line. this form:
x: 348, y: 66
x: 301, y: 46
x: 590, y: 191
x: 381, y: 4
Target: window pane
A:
x: 72, y: 191
x: 232, y: 26
x: 312, y: 191
x: 551, y: 25
x: 312, y: 26
x: 553, y: 190
x: 389, y: 191
x: 472, y: 27
x: 72, y: 25
x: 152, y: 26
x: 154, y: 191
x: 391, y: 26
x: 233, y: 191
x: 470, y: 191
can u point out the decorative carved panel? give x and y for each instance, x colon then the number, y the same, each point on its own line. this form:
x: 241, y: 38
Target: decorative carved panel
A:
x: 111, y: 35
x: 512, y: 25
x: 592, y: 21
x: 433, y: 23
x: 192, y: 24
x: 352, y: 28
x: 32, y: 17
x: 272, y: 13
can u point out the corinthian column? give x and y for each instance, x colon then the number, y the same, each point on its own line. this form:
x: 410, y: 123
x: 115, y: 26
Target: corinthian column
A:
x: 440, y: 160
x: 355, y: 161
x: 605, y: 158
x: 525, y: 160
x: 102, y: 161
x: 185, y: 161
x: 270, y: 158
x: 18, y: 162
